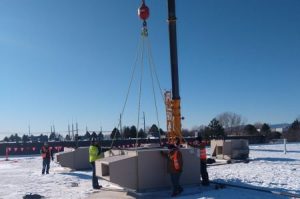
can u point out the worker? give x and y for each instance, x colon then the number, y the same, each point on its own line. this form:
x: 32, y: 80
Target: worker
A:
x: 94, y: 154
x: 175, y: 165
x: 203, y: 164
x: 47, y: 155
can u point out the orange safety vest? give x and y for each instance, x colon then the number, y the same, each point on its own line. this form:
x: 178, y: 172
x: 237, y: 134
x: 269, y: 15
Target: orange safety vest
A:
x: 202, y: 151
x: 175, y: 161
x: 45, y: 151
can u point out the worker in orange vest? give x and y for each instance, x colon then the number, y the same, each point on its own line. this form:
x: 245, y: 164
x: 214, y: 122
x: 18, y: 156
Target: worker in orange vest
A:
x: 203, y: 166
x: 47, y: 154
x: 175, y: 164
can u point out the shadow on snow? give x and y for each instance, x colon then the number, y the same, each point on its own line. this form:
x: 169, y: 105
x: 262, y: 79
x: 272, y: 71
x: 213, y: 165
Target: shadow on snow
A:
x: 275, y: 159
x: 238, y: 182
x: 79, y: 175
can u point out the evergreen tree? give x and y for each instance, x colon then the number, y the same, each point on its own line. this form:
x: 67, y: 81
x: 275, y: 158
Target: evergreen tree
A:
x: 295, y: 126
x: 126, y: 132
x: 250, y: 129
x: 94, y: 135
x: 100, y: 136
x: 142, y: 134
x: 215, y: 129
x: 52, y: 136
x: 87, y: 136
x: 6, y: 139
x: 265, y: 129
x: 43, y: 138
x: 12, y: 138
x: 154, y: 131
x: 17, y: 138
x: 68, y: 138
x: 25, y: 138
x: 133, y: 131
x: 115, y: 134
x: 293, y: 132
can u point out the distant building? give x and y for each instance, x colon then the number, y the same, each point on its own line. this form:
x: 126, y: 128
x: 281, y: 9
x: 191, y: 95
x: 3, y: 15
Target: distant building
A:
x: 280, y: 127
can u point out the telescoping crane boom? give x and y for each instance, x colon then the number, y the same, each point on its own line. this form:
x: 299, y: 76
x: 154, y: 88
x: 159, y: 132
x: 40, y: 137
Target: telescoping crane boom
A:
x: 172, y: 99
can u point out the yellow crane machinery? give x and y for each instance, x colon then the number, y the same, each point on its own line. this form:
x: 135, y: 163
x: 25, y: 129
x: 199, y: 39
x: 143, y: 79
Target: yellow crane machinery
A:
x: 173, y: 118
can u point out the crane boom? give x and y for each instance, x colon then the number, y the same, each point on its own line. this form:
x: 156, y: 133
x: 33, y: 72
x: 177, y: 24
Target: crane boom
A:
x: 173, y: 106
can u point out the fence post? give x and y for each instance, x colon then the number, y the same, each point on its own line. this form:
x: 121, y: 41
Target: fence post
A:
x: 284, y: 142
x: 6, y: 154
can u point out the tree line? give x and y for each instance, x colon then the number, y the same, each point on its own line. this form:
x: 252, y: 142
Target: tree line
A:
x: 126, y: 133
x: 231, y: 124
x: 223, y: 125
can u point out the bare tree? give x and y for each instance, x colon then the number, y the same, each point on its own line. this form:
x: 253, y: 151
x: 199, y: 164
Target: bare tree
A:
x: 231, y: 121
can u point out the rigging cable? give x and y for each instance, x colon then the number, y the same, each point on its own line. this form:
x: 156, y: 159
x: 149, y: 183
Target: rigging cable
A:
x: 153, y: 90
x: 128, y: 90
x: 140, y: 89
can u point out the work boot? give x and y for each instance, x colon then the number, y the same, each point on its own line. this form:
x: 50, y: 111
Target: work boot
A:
x: 98, y: 187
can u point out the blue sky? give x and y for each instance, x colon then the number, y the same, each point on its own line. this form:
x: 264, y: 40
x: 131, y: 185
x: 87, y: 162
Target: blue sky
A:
x: 71, y: 60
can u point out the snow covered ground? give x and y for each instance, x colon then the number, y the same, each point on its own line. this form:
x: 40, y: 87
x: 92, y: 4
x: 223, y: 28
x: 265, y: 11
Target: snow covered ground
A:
x: 269, y: 167
x: 22, y: 175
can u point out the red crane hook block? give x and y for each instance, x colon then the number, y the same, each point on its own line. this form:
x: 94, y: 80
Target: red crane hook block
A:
x: 143, y: 11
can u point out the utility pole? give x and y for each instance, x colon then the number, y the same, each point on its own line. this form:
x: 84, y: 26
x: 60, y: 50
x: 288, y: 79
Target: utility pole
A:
x: 69, y: 130
x: 121, y: 125
x: 29, y: 130
x: 76, y: 128
x: 72, y: 131
x: 144, y: 122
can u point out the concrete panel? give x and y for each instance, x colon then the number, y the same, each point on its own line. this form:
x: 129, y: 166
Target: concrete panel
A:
x: 230, y: 149
x: 147, y: 169
x: 191, y: 168
x: 152, y: 170
x: 77, y: 159
x: 120, y: 170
